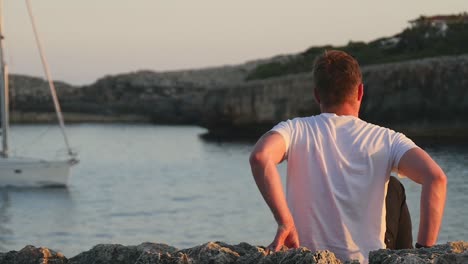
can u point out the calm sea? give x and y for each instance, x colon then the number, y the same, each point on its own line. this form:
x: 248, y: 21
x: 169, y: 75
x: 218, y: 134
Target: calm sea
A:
x: 138, y: 183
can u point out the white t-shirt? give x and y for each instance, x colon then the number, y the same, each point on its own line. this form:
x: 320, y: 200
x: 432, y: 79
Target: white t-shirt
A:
x: 338, y: 170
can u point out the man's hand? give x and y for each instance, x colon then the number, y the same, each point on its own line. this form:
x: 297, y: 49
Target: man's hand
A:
x: 267, y: 153
x: 286, y: 235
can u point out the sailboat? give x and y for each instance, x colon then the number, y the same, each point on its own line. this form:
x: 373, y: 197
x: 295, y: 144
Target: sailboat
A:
x: 26, y: 171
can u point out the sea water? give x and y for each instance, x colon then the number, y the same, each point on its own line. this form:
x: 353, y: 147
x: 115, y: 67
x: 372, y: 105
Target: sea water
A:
x: 165, y: 184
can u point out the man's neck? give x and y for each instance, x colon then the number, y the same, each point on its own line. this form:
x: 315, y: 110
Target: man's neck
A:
x: 341, y: 110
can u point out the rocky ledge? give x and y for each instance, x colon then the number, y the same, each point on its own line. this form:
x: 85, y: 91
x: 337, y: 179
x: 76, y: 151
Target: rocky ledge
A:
x: 219, y: 252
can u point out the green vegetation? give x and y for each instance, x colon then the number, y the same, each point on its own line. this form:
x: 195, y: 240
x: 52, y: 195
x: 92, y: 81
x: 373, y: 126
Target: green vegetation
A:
x: 413, y: 43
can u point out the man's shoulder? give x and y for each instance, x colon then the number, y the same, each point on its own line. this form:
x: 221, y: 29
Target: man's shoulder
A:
x: 297, y: 121
x: 290, y: 127
x: 376, y: 127
x: 304, y: 120
x: 384, y: 134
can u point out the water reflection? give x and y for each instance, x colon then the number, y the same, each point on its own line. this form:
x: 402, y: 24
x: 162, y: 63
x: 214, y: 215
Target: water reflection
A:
x: 22, y: 207
x: 5, y: 232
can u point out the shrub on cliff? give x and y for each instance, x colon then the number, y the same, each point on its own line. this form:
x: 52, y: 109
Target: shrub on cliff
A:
x: 412, y: 43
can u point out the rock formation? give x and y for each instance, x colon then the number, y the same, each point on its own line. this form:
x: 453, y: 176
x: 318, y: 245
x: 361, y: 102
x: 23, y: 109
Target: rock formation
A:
x: 162, y: 97
x: 222, y: 253
x: 31, y: 254
x: 452, y: 252
x: 423, y: 97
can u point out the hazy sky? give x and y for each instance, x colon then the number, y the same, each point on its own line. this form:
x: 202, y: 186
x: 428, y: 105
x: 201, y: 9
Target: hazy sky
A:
x: 87, y: 39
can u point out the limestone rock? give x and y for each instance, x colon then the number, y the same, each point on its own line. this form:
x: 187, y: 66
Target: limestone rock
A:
x: 452, y: 252
x: 211, y: 252
x: 33, y: 255
x: 301, y: 256
x: 119, y: 254
x: 425, y: 97
x: 222, y: 253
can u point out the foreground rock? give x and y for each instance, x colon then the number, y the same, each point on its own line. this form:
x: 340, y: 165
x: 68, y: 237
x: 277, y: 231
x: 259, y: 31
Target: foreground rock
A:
x: 452, y: 252
x: 219, y: 252
x: 31, y: 254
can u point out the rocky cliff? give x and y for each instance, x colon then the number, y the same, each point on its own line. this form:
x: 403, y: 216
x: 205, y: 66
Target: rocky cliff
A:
x: 424, y: 97
x: 222, y: 253
x: 166, y: 97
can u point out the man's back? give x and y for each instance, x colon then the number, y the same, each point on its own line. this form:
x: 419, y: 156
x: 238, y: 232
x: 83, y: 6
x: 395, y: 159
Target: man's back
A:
x: 338, y: 168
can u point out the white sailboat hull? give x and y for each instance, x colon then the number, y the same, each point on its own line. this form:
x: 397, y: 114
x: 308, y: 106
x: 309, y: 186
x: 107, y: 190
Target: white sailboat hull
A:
x: 28, y: 172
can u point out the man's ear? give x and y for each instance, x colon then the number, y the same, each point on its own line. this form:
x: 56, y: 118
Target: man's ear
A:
x: 360, y: 92
x: 317, y: 96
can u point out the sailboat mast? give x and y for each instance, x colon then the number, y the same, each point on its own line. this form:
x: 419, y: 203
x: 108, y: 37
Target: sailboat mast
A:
x: 53, y: 91
x: 3, y: 89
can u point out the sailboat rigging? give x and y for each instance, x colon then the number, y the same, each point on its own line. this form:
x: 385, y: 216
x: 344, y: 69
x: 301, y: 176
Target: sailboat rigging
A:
x: 23, y: 171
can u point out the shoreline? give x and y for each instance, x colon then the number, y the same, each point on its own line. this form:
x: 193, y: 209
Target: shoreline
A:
x: 74, y: 118
x: 424, y: 133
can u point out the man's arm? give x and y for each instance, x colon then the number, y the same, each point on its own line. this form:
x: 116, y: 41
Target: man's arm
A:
x: 417, y: 165
x: 267, y: 153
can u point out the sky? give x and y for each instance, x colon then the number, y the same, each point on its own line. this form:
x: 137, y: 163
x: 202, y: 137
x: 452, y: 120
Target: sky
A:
x: 87, y: 39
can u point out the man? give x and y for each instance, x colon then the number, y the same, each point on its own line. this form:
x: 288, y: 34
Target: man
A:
x: 338, y: 171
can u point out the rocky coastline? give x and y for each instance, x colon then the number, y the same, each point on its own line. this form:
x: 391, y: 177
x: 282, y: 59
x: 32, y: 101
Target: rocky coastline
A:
x: 423, y: 98
x: 222, y: 253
